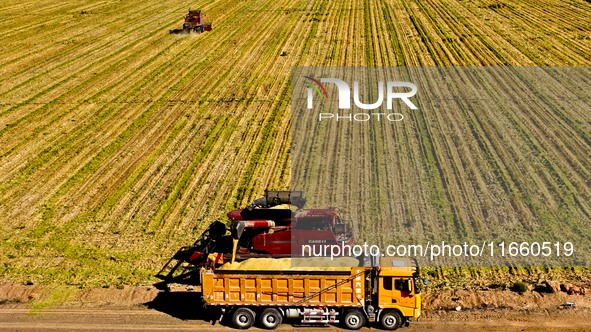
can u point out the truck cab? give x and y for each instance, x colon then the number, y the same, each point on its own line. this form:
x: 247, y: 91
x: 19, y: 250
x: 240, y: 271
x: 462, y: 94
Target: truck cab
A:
x: 397, y: 292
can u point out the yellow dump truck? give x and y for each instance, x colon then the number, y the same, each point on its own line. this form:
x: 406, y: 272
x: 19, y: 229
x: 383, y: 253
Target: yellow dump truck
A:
x: 388, y: 294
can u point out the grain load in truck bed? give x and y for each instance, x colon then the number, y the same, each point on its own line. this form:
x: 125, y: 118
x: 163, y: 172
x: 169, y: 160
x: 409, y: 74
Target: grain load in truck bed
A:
x: 294, y: 264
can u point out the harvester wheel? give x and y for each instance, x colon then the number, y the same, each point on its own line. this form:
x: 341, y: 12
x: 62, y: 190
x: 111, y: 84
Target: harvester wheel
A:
x: 354, y: 319
x: 270, y: 319
x: 243, y: 318
x: 391, y: 320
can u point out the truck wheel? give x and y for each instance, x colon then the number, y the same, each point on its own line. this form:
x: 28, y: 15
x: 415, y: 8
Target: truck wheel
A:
x: 354, y: 319
x: 242, y: 318
x: 391, y: 320
x: 270, y: 319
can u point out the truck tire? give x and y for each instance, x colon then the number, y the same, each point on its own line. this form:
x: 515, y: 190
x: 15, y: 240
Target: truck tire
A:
x: 242, y: 318
x: 270, y: 319
x: 354, y: 319
x: 391, y: 320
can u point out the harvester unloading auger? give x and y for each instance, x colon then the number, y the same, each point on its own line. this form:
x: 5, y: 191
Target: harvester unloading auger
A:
x: 183, y: 267
x: 275, y: 226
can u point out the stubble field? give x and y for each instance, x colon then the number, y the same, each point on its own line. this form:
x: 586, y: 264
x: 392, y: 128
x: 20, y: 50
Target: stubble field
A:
x: 120, y: 142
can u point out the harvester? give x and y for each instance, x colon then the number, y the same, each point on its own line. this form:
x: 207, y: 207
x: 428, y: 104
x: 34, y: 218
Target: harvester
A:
x: 273, y: 226
x: 194, y: 21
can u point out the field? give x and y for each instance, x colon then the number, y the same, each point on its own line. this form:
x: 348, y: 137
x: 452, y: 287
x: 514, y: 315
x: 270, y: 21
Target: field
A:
x: 120, y: 142
x: 474, y: 162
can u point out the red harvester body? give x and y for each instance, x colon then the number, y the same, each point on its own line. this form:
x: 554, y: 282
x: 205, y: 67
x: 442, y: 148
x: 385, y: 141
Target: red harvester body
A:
x: 275, y: 225
x: 194, y: 21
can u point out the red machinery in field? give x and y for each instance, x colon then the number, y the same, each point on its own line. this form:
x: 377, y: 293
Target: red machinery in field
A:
x: 264, y: 233
x: 275, y: 225
x: 194, y: 21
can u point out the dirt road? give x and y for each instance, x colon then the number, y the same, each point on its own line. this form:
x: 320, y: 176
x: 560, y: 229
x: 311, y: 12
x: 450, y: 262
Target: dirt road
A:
x: 143, y: 319
x: 27, y: 308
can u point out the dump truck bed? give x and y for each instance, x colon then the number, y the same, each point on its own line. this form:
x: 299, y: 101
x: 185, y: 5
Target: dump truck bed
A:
x: 284, y: 288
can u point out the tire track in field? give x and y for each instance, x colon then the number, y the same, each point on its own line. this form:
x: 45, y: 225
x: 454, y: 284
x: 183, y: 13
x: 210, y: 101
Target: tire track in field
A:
x: 391, y: 39
x: 376, y: 52
x: 428, y: 53
x: 369, y: 33
x: 312, y: 48
x: 354, y: 56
